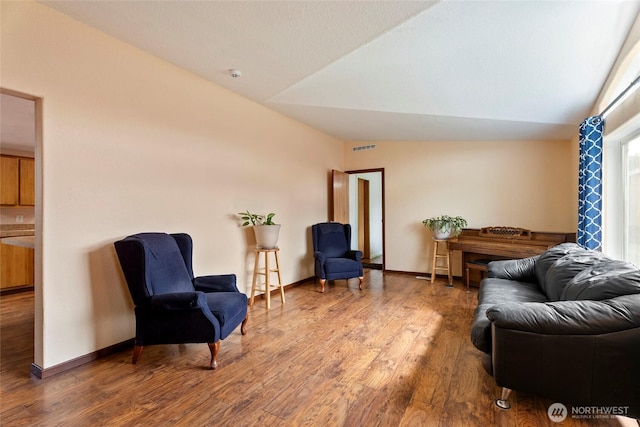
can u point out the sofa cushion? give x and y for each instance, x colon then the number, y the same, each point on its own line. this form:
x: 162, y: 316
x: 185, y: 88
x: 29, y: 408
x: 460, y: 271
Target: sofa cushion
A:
x: 558, y: 265
x: 549, y: 257
x: 495, y: 291
x: 603, y: 280
x: 565, y: 269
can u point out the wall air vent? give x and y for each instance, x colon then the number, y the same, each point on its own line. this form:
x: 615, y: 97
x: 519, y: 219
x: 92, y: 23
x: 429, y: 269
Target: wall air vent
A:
x: 364, y: 147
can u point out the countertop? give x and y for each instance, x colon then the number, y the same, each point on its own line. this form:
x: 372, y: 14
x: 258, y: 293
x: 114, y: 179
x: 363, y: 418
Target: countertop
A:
x: 15, y: 230
x: 23, y: 241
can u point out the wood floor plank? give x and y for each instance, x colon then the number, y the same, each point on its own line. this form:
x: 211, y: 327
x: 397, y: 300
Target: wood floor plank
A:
x: 396, y: 353
x: 420, y: 414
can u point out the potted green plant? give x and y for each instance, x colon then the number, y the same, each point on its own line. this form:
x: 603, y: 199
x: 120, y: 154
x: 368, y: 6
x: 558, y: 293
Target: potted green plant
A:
x: 445, y: 226
x: 265, y: 230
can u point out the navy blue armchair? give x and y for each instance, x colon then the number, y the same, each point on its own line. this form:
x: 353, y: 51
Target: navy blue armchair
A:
x: 171, y: 306
x: 334, y: 258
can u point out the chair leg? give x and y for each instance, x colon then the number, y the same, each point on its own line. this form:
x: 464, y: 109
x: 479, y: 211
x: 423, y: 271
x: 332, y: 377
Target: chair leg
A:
x: 137, y: 351
x: 361, y: 278
x: 322, y: 282
x: 214, y: 347
x: 243, y: 327
x: 503, y: 402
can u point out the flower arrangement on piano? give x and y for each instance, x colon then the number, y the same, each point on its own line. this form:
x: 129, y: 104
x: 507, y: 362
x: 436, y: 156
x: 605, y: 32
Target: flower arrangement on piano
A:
x: 445, y: 226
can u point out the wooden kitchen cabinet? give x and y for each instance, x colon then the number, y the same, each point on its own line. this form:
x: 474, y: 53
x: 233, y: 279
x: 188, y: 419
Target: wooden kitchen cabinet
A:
x: 27, y: 182
x: 16, y: 266
x: 9, y: 180
x: 18, y: 183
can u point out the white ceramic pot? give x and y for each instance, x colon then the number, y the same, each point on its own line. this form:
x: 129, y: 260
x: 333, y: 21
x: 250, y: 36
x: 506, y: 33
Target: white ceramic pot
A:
x: 441, y: 233
x: 266, y: 236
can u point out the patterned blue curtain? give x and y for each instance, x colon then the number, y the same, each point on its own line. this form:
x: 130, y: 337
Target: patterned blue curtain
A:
x: 590, y: 184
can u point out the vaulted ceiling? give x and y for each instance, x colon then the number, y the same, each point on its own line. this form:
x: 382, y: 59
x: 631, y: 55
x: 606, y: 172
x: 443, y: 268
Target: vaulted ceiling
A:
x: 390, y: 70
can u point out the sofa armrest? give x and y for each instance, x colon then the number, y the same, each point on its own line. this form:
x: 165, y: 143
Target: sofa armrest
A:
x: 178, y: 301
x: 521, y: 270
x: 569, y: 317
x: 216, y: 283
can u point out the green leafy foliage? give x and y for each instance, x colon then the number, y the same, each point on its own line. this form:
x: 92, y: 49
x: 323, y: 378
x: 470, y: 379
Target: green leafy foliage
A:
x: 256, y: 219
x: 443, y: 222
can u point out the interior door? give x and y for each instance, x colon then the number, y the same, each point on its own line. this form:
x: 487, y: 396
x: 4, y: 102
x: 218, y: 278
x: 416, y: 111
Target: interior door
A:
x: 363, y: 218
x: 339, y: 197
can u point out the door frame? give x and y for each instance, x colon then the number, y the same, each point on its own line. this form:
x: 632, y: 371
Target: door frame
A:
x: 364, y: 218
x: 38, y: 329
x: 382, y: 180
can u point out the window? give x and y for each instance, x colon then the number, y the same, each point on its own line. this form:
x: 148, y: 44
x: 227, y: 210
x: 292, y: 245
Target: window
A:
x: 621, y: 162
x: 631, y: 175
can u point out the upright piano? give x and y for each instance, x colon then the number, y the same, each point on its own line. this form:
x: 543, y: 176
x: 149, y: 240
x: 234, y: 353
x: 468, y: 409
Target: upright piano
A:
x: 500, y: 242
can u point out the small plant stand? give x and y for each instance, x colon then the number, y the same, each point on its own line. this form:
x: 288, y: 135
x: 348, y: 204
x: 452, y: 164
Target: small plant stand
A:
x: 266, y: 272
x: 446, y: 257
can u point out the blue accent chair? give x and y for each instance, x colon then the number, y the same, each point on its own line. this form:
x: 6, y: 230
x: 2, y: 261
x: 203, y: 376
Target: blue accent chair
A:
x: 171, y: 306
x: 334, y: 258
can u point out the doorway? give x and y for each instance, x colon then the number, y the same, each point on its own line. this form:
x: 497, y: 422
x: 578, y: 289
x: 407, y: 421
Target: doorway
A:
x: 366, y: 215
x: 22, y: 136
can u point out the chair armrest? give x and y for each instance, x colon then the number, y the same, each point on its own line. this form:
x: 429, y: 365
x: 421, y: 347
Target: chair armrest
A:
x: 216, y: 283
x: 355, y: 255
x: 178, y: 301
x: 319, y: 256
x: 521, y: 270
x: 583, y: 317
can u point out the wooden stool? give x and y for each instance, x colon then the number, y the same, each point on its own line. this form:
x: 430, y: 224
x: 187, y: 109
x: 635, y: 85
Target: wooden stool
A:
x: 266, y: 272
x: 480, y: 265
x: 446, y: 257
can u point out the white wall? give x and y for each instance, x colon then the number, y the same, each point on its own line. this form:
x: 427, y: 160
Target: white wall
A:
x: 131, y: 143
x: 528, y: 184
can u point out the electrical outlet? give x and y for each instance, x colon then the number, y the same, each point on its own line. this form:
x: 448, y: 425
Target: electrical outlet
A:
x: 19, y: 218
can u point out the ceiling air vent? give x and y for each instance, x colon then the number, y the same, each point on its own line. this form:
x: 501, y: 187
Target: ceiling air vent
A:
x: 364, y: 147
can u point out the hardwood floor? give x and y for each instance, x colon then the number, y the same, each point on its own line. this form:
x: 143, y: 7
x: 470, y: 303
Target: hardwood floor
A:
x: 373, y: 263
x: 395, y: 354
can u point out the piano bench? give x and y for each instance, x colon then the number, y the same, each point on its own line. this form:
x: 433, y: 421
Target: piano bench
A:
x: 480, y: 265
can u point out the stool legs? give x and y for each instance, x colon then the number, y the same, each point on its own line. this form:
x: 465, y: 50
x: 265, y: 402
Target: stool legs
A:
x: 266, y: 272
x: 447, y: 259
x: 267, y: 285
x: 434, y: 261
x: 279, y: 278
x: 255, y: 278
